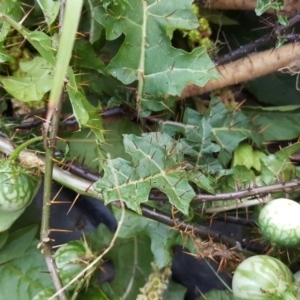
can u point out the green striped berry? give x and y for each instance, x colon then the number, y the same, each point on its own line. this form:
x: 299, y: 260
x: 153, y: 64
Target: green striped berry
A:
x: 71, y: 259
x: 18, y: 187
x: 262, y: 277
x: 279, y: 222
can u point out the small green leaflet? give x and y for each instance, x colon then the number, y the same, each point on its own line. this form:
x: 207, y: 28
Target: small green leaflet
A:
x: 50, y: 10
x: 4, y: 56
x: 86, y: 114
x: 13, y: 9
x: 277, y: 5
x: 217, y: 131
x: 157, y: 162
x: 42, y: 43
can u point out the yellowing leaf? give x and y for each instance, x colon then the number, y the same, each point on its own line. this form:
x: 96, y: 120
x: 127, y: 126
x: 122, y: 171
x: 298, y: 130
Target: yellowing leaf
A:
x: 33, y: 82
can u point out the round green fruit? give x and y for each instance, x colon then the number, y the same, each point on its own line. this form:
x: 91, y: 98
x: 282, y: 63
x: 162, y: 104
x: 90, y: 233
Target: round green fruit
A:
x: 262, y: 277
x: 18, y: 186
x: 70, y: 260
x: 279, y: 222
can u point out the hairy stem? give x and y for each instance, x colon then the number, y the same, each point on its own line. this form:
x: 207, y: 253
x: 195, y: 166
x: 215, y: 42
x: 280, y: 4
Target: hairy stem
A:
x: 14, y: 156
x: 45, y: 224
x: 237, y: 205
x: 248, y: 68
x: 49, y: 148
x: 201, y: 231
x: 85, y: 187
x: 283, y: 186
x: 250, y: 47
x: 99, y: 258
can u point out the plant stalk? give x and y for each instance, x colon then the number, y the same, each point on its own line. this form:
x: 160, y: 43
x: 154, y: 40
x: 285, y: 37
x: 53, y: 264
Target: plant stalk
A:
x: 45, y: 224
x: 290, y: 7
x: 14, y: 156
x: 249, y: 68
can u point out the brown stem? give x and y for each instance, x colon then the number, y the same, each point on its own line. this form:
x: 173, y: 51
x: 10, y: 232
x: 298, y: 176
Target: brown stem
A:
x: 250, y: 47
x: 290, y: 7
x: 199, y: 230
x: 249, y: 192
x: 228, y: 4
x: 248, y: 68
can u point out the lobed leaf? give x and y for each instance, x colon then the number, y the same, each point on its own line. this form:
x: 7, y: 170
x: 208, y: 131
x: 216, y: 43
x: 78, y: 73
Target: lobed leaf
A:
x: 157, y: 162
x: 211, y: 138
x: 146, y: 54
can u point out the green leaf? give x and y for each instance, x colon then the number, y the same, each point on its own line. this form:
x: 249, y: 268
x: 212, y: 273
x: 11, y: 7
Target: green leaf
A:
x: 17, y: 243
x: 228, y: 129
x: 282, y: 93
x: 131, y: 256
x: 82, y: 143
x: 146, y: 54
x: 197, y: 144
x: 218, y: 295
x: 85, y: 56
x: 50, y: 10
x: 108, y: 4
x: 278, y: 166
x: 204, y: 182
x: 257, y: 155
x: 156, y: 163
x: 161, y: 236
x: 286, y: 127
x: 4, y: 56
x: 42, y: 43
x: 263, y: 5
x: 137, y: 237
x: 7, y: 219
x: 218, y: 131
x: 175, y: 291
x: 243, y: 155
x: 96, y: 29
x: 287, y: 152
x: 277, y: 5
x: 93, y: 293
x: 13, y: 9
x: 243, y: 176
x: 3, y: 238
x: 34, y: 79
x: 217, y: 17
x: 86, y: 114
x: 23, y: 277
x: 45, y: 294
